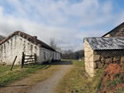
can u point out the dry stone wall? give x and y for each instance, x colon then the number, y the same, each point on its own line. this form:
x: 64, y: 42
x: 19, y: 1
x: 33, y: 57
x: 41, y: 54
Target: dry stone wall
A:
x: 102, y: 58
x: 96, y: 59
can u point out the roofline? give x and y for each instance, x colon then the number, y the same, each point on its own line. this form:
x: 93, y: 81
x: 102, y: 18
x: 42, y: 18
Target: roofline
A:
x: 30, y: 38
x: 7, y: 38
x: 103, y: 37
x: 106, y: 49
x: 94, y: 49
x: 113, y: 29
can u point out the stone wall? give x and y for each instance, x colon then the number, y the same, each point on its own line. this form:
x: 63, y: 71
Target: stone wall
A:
x: 14, y: 47
x: 89, y: 63
x: 97, y: 59
x: 106, y: 57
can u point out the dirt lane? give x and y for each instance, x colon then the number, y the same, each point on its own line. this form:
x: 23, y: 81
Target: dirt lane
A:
x: 48, y: 85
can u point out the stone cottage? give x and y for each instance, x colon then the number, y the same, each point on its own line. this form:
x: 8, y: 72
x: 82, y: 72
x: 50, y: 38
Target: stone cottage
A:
x: 116, y: 32
x: 102, y: 50
x: 19, y: 42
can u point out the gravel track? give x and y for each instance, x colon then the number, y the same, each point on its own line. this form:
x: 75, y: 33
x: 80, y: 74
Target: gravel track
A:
x: 47, y: 86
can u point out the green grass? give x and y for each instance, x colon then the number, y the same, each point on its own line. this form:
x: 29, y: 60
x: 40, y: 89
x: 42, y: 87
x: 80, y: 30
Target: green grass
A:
x: 76, y: 81
x: 7, y: 76
x: 120, y: 90
x: 5, y: 68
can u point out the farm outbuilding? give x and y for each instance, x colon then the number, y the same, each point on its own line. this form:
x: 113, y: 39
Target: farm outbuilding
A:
x: 100, y: 51
x: 116, y: 32
x: 19, y: 42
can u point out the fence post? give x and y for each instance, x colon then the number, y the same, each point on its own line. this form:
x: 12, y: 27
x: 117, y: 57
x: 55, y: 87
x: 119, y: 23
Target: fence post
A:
x: 35, y: 57
x: 13, y: 63
x: 23, y: 59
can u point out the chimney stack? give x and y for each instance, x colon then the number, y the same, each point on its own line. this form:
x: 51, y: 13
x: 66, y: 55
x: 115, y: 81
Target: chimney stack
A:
x: 35, y: 37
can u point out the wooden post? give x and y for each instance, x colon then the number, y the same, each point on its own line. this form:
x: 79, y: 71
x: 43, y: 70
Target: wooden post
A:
x: 35, y: 57
x: 13, y: 63
x: 23, y: 60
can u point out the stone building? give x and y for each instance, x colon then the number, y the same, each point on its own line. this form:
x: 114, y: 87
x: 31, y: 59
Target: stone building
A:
x: 116, y: 32
x: 102, y: 50
x: 19, y: 42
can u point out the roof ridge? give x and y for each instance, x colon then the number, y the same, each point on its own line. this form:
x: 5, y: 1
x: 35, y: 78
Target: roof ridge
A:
x: 113, y: 29
x: 104, y: 37
x: 30, y: 38
x: 104, y: 43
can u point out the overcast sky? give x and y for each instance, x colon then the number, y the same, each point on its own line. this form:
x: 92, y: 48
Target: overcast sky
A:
x: 66, y: 21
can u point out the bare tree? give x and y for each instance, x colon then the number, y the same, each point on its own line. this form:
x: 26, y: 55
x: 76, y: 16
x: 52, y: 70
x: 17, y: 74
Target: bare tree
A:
x: 53, y: 44
x: 70, y: 54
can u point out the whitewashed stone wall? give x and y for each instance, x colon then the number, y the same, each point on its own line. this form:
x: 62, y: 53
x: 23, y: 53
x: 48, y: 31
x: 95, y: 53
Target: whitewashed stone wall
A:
x: 14, y: 47
x: 45, y: 54
x: 48, y: 55
x: 17, y: 44
x: 58, y: 56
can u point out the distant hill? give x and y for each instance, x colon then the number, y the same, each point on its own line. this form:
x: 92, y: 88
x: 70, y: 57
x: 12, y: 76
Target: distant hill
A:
x: 1, y: 37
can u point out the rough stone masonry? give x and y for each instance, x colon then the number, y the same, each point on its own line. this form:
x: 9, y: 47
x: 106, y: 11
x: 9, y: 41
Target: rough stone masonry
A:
x: 100, y: 51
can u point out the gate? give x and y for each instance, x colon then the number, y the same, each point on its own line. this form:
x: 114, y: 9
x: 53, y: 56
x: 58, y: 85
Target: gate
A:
x: 28, y: 59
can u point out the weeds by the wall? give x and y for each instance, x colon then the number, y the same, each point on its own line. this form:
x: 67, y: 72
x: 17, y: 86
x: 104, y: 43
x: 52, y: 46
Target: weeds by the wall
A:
x: 77, y: 81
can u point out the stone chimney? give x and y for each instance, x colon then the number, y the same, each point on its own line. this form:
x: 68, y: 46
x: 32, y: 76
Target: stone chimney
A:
x: 35, y: 37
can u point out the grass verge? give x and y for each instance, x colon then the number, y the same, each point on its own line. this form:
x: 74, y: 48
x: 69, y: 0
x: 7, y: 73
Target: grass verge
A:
x: 76, y: 81
x: 7, y: 76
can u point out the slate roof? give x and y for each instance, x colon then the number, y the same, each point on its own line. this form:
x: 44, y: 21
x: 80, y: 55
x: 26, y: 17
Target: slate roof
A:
x: 105, y: 43
x: 122, y: 24
x: 32, y: 39
x: 1, y: 37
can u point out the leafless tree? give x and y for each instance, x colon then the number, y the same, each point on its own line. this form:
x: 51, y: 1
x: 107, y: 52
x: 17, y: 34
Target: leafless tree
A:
x: 53, y: 43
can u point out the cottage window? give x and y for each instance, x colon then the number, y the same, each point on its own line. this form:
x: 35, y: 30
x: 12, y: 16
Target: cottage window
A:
x: 28, y: 44
x: 31, y: 47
